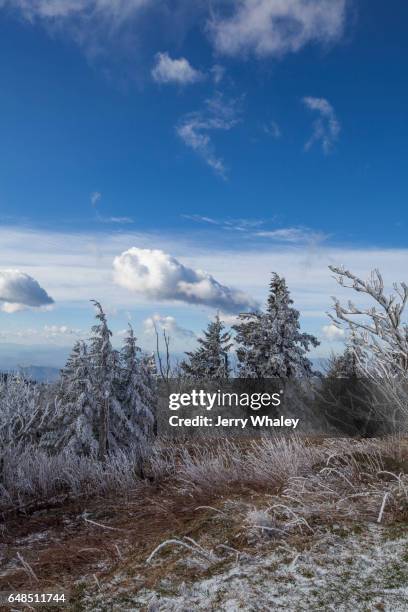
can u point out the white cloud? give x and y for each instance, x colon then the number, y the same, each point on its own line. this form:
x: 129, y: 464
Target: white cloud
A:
x: 218, y: 73
x: 158, y: 276
x: 120, y: 220
x: 326, y: 128
x: 75, y: 267
x: 272, y: 129
x: 167, y: 323
x: 237, y: 225
x: 194, y: 129
x: 89, y: 10
x: 10, y: 308
x: 101, y: 28
x: 261, y: 27
x: 202, y: 219
x: 179, y: 71
x: 332, y: 332
x: 19, y: 290
x: 293, y: 235
x: 276, y: 27
x: 95, y: 197
x: 229, y: 319
x: 60, y: 330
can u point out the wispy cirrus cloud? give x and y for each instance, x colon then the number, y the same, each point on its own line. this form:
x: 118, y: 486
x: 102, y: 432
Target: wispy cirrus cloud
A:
x: 101, y: 28
x: 177, y: 71
x: 119, y: 220
x: 217, y: 72
x: 86, y: 9
x: 96, y: 198
x: 195, y: 129
x: 326, y: 128
x: 239, y: 225
x: 271, y: 128
x: 293, y: 235
x: 251, y: 229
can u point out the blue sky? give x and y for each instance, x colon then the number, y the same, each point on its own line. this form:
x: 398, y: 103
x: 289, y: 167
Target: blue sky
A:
x: 239, y: 139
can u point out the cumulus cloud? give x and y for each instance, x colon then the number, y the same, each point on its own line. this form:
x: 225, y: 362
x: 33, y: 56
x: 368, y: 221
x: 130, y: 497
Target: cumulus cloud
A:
x: 159, y: 276
x: 19, y: 290
x: 168, y: 324
x: 276, y: 27
x: 332, y: 332
x: 179, y: 71
x: 194, y: 129
x: 326, y: 128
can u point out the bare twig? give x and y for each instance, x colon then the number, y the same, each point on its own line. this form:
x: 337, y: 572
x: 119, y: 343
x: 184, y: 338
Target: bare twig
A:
x: 382, y: 507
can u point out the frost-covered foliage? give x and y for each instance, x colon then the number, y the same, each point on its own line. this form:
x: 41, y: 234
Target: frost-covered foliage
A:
x: 379, y: 330
x: 271, y: 343
x: 21, y: 413
x: 210, y: 361
x: 104, y: 367
x: 380, y: 335
x: 104, y: 403
x: 30, y: 474
x: 74, y: 423
x: 345, y: 364
x: 136, y: 389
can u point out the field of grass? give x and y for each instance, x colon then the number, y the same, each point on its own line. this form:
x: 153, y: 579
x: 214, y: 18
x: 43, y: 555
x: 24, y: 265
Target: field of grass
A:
x: 285, y: 523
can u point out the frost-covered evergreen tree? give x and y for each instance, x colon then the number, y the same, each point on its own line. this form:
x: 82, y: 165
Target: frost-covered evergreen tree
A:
x: 104, y: 371
x: 346, y: 365
x: 271, y: 343
x: 104, y: 402
x: 68, y: 371
x: 210, y: 360
x: 136, y: 393
x: 73, y: 419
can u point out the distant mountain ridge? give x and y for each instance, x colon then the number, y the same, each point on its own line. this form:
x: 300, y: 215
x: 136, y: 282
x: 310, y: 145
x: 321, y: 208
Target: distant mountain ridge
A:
x: 41, y: 374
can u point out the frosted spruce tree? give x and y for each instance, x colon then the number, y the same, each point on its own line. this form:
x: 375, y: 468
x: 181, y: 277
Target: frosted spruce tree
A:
x: 210, y: 360
x: 136, y: 392
x: 73, y: 423
x: 271, y: 343
x: 346, y: 364
x: 104, y: 372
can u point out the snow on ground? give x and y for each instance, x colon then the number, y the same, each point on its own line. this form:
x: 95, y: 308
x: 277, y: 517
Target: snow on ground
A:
x: 357, y: 569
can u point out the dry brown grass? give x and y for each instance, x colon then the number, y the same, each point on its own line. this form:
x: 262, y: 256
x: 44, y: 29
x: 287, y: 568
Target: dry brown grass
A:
x: 224, y: 496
